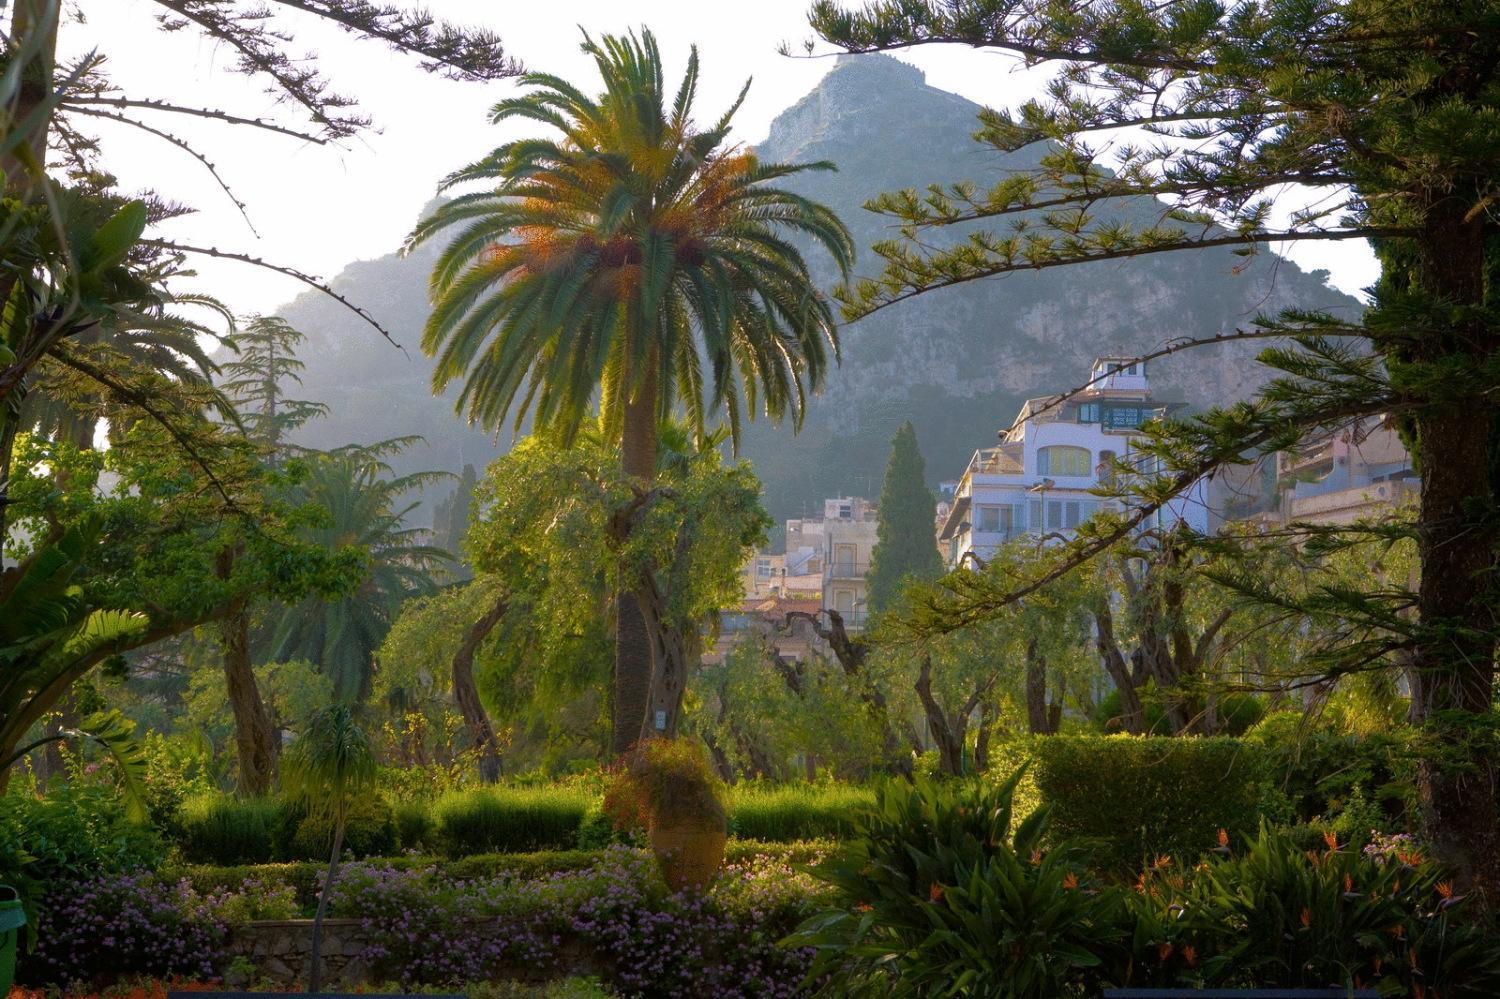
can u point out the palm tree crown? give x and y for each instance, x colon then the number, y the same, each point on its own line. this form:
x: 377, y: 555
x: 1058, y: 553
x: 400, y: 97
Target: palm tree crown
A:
x: 623, y: 254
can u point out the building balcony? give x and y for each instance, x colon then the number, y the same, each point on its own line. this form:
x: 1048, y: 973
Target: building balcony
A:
x: 846, y: 570
x: 1345, y: 506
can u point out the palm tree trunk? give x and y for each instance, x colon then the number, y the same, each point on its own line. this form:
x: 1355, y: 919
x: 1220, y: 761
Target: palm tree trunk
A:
x: 633, y: 659
x: 315, y: 963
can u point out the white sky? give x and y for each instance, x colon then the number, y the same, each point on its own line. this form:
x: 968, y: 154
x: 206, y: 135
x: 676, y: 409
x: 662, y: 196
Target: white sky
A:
x: 317, y: 208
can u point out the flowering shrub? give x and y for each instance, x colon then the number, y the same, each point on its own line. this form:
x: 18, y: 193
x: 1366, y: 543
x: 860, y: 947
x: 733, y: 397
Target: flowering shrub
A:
x: 645, y: 941
x: 112, y: 924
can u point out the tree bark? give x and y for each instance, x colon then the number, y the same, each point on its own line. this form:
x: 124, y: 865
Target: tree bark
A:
x: 1039, y: 715
x: 633, y: 643
x: 254, y: 735
x: 466, y: 692
x: 1453, y: 663
x: 1132, y: 713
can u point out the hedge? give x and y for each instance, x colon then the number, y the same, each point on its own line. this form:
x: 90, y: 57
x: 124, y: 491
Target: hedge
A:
x: 787, y: 813
x: 305, y: 877
x: 1134, y: 798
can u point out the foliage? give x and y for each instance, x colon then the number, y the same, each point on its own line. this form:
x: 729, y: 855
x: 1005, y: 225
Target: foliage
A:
x: 642, y: 940
x: 102, y: 925
x: 939, y: 894
x: 364, y: 506
x: 1271, y: 123
x: 544, y: 535
x: 633, y: 249
x: 218, y: 829
x: 256, y: 379
x: 79, y: 829
x: 491, y: 820
x: 786, y: 813
x: 765, y: 718
x: 1271, y: 914
x: 665, y: 782
x: 1135, y: 798
x: 904, y: 550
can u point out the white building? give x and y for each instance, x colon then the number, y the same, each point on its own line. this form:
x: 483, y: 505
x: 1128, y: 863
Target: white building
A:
x: 1039, y: 479
x: 837, y: 547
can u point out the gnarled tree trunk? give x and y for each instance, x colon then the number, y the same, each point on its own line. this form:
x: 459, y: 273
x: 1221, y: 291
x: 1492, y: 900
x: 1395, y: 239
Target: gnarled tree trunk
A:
x: 466, y: 692
x: 254, y: 735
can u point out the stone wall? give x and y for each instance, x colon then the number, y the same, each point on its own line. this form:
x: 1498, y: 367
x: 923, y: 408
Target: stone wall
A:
x: 281, y: 948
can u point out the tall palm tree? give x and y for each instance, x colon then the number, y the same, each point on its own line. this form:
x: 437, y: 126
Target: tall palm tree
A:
x: 329, y: 768
x: 636, y: 257
x: 364, y: 507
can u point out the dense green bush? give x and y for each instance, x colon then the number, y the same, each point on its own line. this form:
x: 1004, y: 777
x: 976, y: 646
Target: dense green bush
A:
x: 304, y: 877
x: 222, y: 829
x: 1238, y: 713
x: 78, y: 831
x: 937, y: 895
x: 413, y: 824
x: 369, y: 831
x: 788, y: 813
x: 1346, y: 782
x: 1132, y: 798
x: 1269, y: 913
x: 508, y: 820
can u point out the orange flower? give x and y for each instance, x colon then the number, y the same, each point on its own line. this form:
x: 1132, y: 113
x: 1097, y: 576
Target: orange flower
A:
x: 1348, y: 883
x: 1445, y: 889
x: 863, y: 907
x: 1036, y: 856
x: 1162, y: 860
x: 1071, y: 880
x: 1332, y: 839
x: 1164, y: 951
x: 1306, y: 918
x: 1190, y: 956
x: 935, y: 893
x: 1223, y: 837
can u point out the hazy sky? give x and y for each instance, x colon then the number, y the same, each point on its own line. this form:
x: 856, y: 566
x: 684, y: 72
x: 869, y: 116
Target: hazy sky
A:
x: 317, y: 208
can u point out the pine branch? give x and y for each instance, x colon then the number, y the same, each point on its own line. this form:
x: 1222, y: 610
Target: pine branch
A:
x: 77, y: 102
x: 456, y: 52
x: 182, y: 144
x: 291, y: 272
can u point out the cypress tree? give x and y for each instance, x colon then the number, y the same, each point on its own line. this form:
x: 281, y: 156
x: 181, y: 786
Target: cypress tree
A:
x: 905, y: 547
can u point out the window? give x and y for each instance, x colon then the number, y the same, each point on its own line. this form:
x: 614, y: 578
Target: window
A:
x: 1062, y: 460
x: 1088, y: 412
x: 988, y: 519
x: 997, y: 519
x: 1123, y: 417
x: 1036, y: 521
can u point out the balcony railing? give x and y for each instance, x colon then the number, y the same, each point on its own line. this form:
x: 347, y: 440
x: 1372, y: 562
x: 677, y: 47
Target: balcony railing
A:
x: 846, y: 570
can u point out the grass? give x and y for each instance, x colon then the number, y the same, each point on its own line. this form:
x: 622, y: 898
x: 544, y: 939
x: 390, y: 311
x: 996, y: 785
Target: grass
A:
x: 786, y: 813
x: 221, y: 829
x: 508, y: 820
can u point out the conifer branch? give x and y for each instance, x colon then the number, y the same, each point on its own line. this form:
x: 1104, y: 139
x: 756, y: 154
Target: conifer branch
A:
x: 78, y: 103
x: 182, y: 144
x: 291, y: 272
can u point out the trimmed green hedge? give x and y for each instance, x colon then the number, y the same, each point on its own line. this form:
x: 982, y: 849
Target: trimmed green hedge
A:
x: 794, y: 812
x: 508, y: 820
x: 305, y: 876
x: 1137, y: 797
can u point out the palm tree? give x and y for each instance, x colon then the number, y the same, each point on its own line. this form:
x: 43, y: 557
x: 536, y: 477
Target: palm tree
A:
x: 363, y: 508
x: 635, y: 257
x: 328, y: 769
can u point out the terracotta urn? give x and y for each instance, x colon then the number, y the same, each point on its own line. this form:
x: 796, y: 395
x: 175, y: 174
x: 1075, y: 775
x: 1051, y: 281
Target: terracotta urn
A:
x: 688, y: 850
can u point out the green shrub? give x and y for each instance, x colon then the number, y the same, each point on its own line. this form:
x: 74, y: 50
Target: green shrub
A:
x: 1355, y: 783
x: 221, y: 829
x: 1270, y: 913
x: 508, y: 820
x: 413, y: 824
x: 794, y: 812
x: 1133, y: 798
x: 369, y: 831
x: 937, y: 895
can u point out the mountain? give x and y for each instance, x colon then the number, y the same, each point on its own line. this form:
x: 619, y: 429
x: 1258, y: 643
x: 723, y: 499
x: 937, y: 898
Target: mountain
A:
x: 957, y: 362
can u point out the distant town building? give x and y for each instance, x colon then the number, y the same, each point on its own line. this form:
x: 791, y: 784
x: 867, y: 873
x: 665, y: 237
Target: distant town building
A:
x: 1332, y: 478
x: 1039, y: 479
